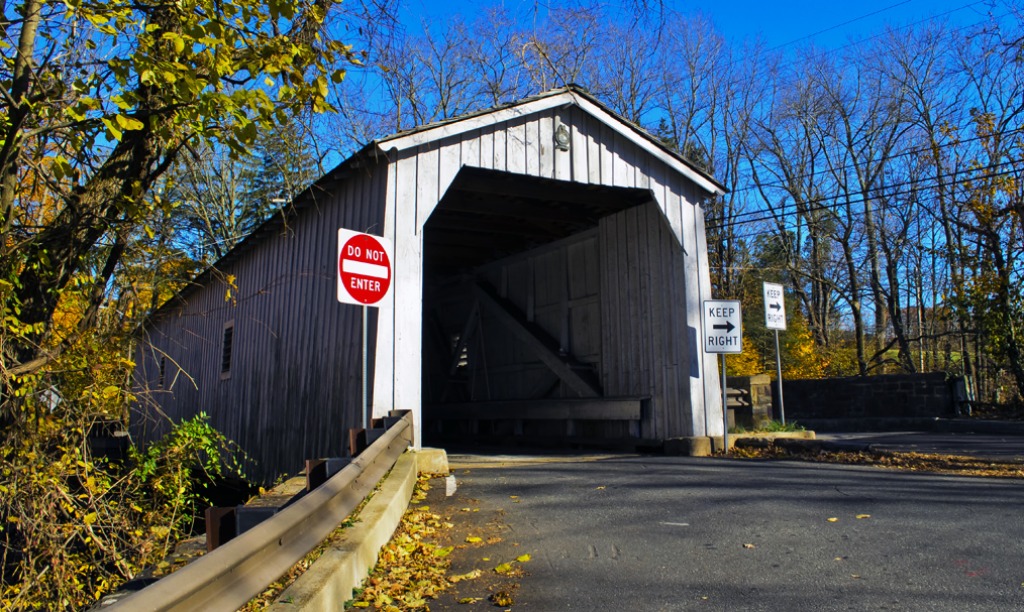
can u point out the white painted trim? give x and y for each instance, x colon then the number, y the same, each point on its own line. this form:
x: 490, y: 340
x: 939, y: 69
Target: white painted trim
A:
x: 645, y: 143
x: 457, y: 127
x: 484, y: 120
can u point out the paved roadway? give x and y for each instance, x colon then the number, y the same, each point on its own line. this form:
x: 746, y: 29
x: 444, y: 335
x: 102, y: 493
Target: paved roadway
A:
x: 996, y: 447
x: 668, y: 533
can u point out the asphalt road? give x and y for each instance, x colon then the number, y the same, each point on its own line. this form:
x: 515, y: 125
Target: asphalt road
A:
x: 995, y: 447
x: 663, y: 533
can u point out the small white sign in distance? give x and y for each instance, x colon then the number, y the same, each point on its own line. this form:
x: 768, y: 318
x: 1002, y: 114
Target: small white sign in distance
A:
x: 774, y: 306
x: 723, y: 326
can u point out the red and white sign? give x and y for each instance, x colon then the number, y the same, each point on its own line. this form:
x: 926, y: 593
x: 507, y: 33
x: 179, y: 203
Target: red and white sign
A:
x: 364, y: 268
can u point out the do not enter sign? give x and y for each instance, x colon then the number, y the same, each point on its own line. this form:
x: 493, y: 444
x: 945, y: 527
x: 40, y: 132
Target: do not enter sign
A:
x: 364, y: 268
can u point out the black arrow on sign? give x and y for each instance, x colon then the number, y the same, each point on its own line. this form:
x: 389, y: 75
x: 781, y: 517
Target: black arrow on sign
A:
x: 728, y: 327
x: 775, y: 306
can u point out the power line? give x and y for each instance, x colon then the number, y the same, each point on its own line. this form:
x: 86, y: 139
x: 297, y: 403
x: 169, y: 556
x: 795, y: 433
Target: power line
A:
x: 908, y: 26
x: 885, y: 189
x: 768, y: 215
x: 891, y: 156
x: 839, y: 25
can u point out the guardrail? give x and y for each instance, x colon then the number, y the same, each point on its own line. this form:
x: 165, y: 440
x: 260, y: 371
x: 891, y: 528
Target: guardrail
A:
x: 229, y: 576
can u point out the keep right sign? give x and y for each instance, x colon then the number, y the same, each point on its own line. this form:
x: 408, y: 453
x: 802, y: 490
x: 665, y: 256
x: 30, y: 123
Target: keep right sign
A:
x: 774, y: 306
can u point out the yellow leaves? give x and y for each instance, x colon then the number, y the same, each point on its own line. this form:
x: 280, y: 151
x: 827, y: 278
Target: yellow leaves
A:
x: 410, y: 570
x: 90, y: 518
x: 502, y: 598
x: 474, y: 539
x: 473, y: 575
x: 160, y: 531
x: 863, y: 516
x: 177, y: 42
x: 113, y: 132
x: 129, y: 124
x: 509, y: 568
x: 470, y: 600
x: 832, y: 519
x: 232, y: 288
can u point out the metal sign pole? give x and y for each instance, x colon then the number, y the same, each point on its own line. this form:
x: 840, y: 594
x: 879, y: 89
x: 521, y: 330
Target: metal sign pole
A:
x: 365, y: 373
x: 778, y: 378
x: 725, y: 410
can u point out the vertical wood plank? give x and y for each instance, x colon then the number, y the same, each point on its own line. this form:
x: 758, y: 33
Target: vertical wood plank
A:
x: 546, y: 144
x: 595, y: 151
x: 470, y: 151
x: 516, y: 148
x: 500, y: 150
x: 533, y: 146
x: 580, y: 147
x: 607, y: 163
x: 487, y: 148
x: 400, y: 192
x: 563, y: 159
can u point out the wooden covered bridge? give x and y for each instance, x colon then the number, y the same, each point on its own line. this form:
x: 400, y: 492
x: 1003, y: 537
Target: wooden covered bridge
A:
x: 549, y: 267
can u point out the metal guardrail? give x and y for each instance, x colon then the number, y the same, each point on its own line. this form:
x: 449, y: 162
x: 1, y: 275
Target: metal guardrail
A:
x: 229, y: 576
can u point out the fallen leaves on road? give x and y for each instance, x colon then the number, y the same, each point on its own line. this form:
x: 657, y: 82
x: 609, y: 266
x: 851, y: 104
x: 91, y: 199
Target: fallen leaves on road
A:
x: 410, y: 569
x: 414, y: 568
x: 502, y: 598
x: 914, y: 462
x: 473, y: 575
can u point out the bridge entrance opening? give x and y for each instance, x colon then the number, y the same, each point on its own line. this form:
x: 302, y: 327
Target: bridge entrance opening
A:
x: 519, y: 282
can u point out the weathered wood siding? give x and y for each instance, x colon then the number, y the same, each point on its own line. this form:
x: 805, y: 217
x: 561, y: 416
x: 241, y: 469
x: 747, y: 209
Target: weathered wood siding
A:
x: 294, y: 385
x: 644, y: 321
x: 624, y: 297
x: 599, y: 155
x: 556, y: 287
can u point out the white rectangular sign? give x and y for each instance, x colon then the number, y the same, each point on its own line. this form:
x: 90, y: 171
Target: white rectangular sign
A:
x: 774, y: 306
x: 723, y: 326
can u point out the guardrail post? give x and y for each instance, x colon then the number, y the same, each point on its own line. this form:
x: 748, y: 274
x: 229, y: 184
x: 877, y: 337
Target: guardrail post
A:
x: 220, y: 526
x: 356, y: 441
x: 316, y: 473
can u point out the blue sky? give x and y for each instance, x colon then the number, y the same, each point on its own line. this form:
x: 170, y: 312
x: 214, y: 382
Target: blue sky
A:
x: 783, y: 23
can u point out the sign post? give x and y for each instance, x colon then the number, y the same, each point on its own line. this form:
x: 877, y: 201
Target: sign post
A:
x: 775, y: 318
x: 364, y: 279
x: 723, y: 333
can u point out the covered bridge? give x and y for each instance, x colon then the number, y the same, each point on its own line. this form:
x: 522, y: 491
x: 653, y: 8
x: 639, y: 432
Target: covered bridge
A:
x: 549, y: 267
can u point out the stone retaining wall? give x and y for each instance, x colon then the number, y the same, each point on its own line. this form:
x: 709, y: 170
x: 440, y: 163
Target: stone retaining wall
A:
x: 874, y: 397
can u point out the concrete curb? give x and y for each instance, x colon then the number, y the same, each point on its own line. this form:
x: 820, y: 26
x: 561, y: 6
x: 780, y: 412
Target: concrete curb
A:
x: 329, y: 582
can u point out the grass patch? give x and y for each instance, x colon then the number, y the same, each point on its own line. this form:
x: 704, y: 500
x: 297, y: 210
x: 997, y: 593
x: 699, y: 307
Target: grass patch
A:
x: 770, y: 427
